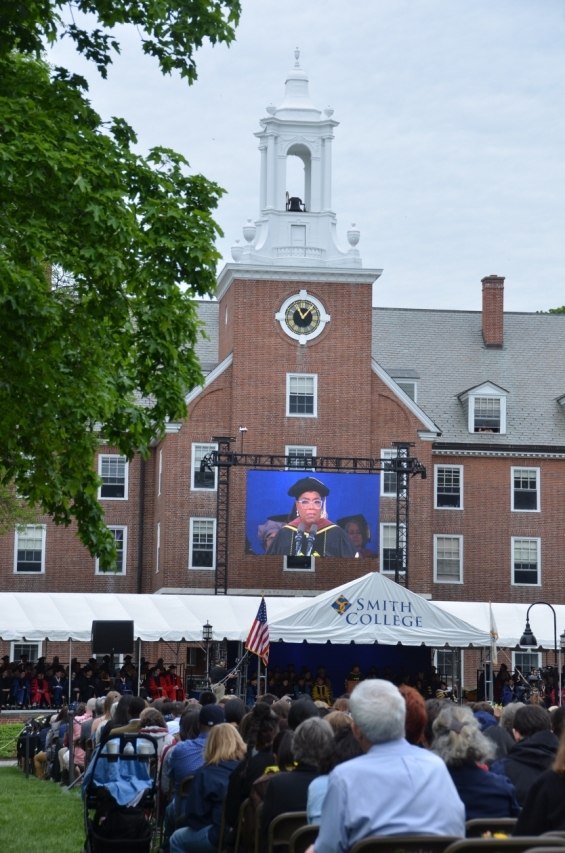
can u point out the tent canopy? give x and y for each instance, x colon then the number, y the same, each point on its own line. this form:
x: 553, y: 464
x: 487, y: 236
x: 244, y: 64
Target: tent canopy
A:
x: 374, y: 609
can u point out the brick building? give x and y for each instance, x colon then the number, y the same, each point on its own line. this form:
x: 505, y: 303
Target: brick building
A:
x: 297, y: 362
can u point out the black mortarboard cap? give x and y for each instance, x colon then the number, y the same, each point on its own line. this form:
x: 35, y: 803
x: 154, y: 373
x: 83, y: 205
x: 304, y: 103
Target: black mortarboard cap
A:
x: 308, y: 484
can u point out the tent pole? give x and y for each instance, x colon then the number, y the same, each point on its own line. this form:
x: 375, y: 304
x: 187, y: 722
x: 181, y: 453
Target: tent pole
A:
x: 70, y: 668
x: 258, y: 677
x: 138, y: 665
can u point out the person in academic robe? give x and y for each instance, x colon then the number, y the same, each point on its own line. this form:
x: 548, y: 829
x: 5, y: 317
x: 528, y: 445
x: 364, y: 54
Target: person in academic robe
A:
x: 123, y: 684
x: 21, y: 689
x: 175, y: 691
x: 311, y: 533
x: 157, y: 684
x: 40, y: 695
x: 355, y: 674
x: 321, y: 692
x: 58, y: 687
x: 358, y: 530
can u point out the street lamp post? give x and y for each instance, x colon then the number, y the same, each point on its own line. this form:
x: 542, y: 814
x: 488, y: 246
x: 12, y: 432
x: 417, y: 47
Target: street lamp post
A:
x: 207, y: 636
x: 528, y: 640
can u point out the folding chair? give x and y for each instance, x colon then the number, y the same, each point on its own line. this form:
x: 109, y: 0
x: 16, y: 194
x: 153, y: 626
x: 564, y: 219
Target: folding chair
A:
x: 405, y: 844
x: 302, y: 838
x: 183, y: 794
x: 281, y: 829
x: 516, y: 844
x: 476, y: 828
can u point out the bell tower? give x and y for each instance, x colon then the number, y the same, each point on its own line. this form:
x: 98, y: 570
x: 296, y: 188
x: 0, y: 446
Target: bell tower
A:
x: 294, y: 230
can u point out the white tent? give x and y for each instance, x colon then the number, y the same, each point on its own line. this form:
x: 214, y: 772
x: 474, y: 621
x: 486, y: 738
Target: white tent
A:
x: 510, y: 620
x: 374, y: 609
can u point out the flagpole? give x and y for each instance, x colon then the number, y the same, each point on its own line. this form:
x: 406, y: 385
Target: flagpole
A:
x: 258, y: 677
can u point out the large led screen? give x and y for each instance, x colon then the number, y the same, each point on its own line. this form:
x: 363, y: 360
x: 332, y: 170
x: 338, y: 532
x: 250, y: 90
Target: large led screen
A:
x: 302, y: 513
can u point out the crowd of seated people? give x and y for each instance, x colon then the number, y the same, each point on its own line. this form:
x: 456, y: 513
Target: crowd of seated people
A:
x: 383, y: 760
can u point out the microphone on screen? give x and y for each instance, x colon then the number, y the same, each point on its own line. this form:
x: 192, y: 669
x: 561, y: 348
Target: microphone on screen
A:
x: 299, y: 537
x: 310, y: 539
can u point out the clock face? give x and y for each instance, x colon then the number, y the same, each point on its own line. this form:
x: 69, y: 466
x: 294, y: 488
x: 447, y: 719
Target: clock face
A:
x: 302, y: 317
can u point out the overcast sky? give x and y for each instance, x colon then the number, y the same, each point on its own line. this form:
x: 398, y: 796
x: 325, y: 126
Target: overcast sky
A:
x: 450, y: 154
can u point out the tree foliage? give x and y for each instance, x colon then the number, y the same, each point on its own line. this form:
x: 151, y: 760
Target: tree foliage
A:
x: 103, y: 251
x: 557, y: 310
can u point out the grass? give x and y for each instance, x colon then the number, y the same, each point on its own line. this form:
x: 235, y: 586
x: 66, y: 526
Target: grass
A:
x: 37, y: 816
x: 8, y: 739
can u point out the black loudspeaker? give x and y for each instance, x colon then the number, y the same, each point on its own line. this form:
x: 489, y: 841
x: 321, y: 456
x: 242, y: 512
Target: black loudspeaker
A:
x: 112, y: 636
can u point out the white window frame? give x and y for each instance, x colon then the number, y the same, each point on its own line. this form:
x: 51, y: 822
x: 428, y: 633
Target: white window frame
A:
x: 448, y: 536
x: 160, y: 474
x: 404, y: 382
x: 449, y: 678
x: 193, y: 464
x: 43, y: 528
x: 158, y: 549
x: 538, y: 495
x: 436, y: 470
x: 487, y: 395
x: 192, y: 568
x: 513, y: 540
x: 388, y: 453
x: 126, y: 475
x: 312, y: 568
x: 313, y: 376
x: 308, y: 449
x: 191, y: 651
x: 24, y: 642
x: 524, y: 652
x: 110, y: 573
x: 387, y: 524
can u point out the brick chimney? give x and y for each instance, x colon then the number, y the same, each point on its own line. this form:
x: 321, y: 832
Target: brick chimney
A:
x: 493, y: 310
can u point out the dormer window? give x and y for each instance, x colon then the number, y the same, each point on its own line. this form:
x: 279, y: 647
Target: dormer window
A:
x: 486, y: 408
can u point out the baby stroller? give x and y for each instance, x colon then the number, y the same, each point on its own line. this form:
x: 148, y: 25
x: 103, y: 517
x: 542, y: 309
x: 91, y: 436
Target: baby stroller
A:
x: 120, y: 788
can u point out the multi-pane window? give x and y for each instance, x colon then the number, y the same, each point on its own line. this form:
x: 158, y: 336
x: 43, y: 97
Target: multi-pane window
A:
x: 206, y: 478
x: 30, y: 549
x: 525, y: 561
x: 299, y: 564
x: 526, y: 661
x: 388, y: 548
x: 449, y: 486
x: 114, y: 472
x: 487, y: 414
x: 158, y: 554
x: 448, y: 559
x: 408, y: 386
x: 525, y: 489
x: 301, y: 458
x: 160, y: 476
x: 120, y: 535
x: 202, y: 543
x: 388, y: 478
x: 32, y: 651
x: 301, y: 395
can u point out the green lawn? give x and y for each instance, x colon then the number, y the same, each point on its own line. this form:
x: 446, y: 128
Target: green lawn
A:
x: 38, y: 817
x: 8, y: 739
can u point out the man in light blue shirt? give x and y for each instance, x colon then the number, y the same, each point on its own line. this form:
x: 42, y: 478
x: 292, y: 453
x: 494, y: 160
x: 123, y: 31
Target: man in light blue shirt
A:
x: 395, y: 788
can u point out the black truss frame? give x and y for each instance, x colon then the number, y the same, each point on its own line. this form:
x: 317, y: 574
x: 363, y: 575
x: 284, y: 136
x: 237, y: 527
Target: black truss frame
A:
x: 224, y: 459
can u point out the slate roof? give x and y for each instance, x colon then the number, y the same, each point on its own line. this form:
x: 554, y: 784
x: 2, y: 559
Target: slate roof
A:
x: 207, y: 350
x: 446, y: 349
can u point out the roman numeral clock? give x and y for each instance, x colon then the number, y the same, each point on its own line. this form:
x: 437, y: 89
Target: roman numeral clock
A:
x: 302, y: 317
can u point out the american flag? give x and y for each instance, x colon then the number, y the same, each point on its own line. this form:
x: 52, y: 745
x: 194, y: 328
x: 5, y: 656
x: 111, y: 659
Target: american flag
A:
x: 258, y: 639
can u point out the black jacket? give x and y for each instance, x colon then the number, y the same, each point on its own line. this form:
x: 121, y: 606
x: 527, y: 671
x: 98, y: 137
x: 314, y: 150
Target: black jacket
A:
x: 205, y: 799
x: 484, y: 794
x: 544, y: 809
x: 241, y: 780
x: 527, y: 760
x: 286, y: 792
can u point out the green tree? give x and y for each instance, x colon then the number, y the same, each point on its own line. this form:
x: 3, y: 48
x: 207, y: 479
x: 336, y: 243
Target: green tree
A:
x: 103, y: 251
x: 557, y: 310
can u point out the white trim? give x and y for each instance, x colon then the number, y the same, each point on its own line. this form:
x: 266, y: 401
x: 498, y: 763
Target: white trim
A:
x: 281, y: 317
x: 158, y: 548
x: 513, y: 540
x: 461, y: 492
x: 538, y: 493
x: 43, y: 543
x: 297, y: 275
x: 526, y: 652
x: 212, y: 376
x: 313, y: 376
x: 24, y: 642
x: 212, y: 446
x: 313, y: 451
x: 160, y: 473
x: 506, y: 454
x: 448, y: 536
x: 110, y: 574
x: 172, y: 427
x: 404, y: 398
x: 382, y: 525
x: 400, y: 382
x: 192, y: 568
x: 471, y: 415
x: 308, y: 571
x: 102, y: 456
x: 388, y: 453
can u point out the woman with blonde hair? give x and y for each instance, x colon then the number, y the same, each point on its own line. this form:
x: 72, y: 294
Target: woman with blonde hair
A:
x: 199, y: 828
x: 100, y: 722
x: 457, y: 738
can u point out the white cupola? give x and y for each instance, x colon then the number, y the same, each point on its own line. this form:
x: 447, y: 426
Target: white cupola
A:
x: 296, y: 230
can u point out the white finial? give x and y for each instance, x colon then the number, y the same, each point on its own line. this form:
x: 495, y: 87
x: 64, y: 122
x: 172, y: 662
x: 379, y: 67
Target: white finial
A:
x: 328, y: 111
x: 297, y: 57
x: 271, y: 109
x: 249, y: 231
x: 353, y: 236
x: 236, y: 251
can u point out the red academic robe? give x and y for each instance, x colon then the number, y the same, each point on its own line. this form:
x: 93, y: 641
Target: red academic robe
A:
x: 39, y: 691
x: 157, y: 686
x: 174, y: 688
